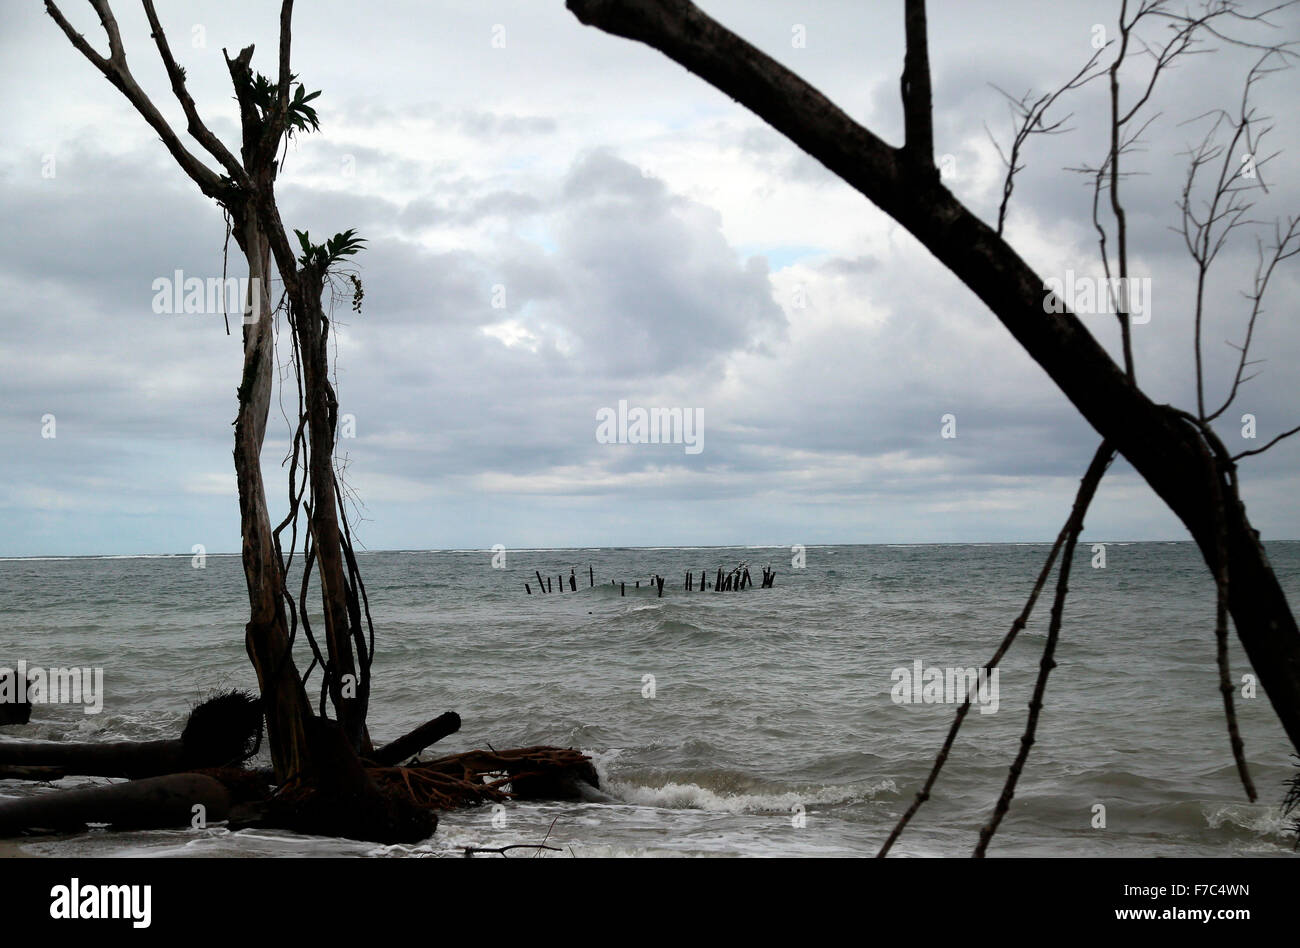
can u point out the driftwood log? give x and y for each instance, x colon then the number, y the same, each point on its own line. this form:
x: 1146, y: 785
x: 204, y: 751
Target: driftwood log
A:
x: 49, y: 760
x: 223, y: 730
x: 154, y: 803
x: 411, y: 744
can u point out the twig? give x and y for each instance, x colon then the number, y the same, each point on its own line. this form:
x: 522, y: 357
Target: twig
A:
x: 471, y: 850
x: 1285, y: 434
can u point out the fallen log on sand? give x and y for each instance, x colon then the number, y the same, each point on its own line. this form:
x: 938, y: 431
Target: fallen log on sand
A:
x: 106, y: 759
x: 154, y: 803
x: 221, y: 731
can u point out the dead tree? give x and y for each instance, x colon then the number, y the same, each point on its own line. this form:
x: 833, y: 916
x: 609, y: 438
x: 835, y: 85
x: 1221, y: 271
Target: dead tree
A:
x: 244, y: 187
x: 1176, y: 452
x: 327, y: 780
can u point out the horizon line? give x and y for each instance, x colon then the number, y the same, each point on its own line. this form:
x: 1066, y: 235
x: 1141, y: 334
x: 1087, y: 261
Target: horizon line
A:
x: 548, y: 549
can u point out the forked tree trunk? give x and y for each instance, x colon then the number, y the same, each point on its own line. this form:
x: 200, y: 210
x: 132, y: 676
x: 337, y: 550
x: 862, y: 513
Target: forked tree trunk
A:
x: 303, y: 286
x: 246, y: 190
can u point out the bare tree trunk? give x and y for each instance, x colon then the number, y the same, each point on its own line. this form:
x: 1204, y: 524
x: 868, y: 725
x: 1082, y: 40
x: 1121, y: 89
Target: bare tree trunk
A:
x: 348, y: 690
x: 266, y: 635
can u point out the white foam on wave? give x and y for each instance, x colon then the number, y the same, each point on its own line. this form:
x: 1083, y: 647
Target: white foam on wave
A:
x: 1264, y: 820
x: 690, y: 796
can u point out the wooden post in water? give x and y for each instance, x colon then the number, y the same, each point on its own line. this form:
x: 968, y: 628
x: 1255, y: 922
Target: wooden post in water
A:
x: 661, y: 586
x: 591, y: 576
x: 688, y: 580
x: 573, y: 581
x: 717, y: 583
x: 540, y: 585
x: 622, y: 589
x: 530, y: 591
x: 548, y: 584
x: 704, y: 580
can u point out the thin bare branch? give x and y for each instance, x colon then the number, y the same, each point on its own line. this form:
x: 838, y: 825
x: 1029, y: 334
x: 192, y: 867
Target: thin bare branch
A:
x: 1087, y: 490
x: 1283, y: 435
x: 1031, y: 116
x: 1221, y: 575
x: 196, y: 127
x: 116, y: 71
x: 1282, y: 250
x: 1016, y: 626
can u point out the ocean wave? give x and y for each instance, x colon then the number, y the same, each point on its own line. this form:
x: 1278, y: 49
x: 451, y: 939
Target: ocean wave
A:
x: 1255, y: 818
x: 692, y: 796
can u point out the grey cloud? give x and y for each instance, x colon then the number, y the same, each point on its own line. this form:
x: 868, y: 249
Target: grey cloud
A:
x: 474, y: 420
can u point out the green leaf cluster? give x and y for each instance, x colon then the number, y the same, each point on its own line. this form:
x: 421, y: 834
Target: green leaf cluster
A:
x: 300, y: 117
x: 323, y: 256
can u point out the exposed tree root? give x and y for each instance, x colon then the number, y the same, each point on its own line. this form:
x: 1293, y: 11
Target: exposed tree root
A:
x: 478, y: 776
x: 398, y: 804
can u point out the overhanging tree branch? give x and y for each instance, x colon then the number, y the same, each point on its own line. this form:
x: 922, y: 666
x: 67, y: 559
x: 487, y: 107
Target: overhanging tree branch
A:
x: 1152, y: 437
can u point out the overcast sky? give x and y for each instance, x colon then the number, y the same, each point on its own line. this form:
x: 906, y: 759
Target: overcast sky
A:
x: 650, y: 240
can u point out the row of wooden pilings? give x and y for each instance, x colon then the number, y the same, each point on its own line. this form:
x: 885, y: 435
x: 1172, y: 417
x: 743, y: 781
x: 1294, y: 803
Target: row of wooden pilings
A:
x: 733, y: 581
x: 544, y: 585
